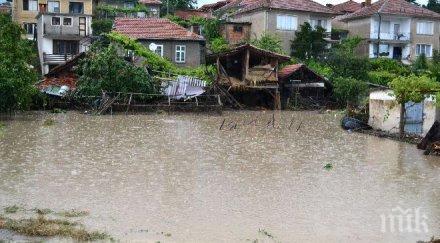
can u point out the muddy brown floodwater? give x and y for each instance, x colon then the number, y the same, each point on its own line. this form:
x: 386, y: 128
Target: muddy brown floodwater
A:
x: 178, y: 178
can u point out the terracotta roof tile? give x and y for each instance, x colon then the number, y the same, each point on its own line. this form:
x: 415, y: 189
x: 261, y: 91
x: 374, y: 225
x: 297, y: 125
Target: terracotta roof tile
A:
x: 298, y: 5
x: 188, y: 14
x: 347, y: 7
x: 288, y: 70
x: 393, y: 7
x: 151, y: 2
x: 214, y: 6
x: 153, y: 28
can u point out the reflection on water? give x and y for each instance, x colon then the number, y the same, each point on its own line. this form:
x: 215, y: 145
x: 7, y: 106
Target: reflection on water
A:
x: 180, y: 174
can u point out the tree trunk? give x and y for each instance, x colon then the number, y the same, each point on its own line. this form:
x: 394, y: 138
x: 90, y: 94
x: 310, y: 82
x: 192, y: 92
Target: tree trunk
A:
x: 402, y: 120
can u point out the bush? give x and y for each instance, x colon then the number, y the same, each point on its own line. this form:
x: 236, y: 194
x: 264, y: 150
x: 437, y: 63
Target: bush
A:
x: 102, y: 26
x: 420, y: 65
x: 103, y: 69
x: 219, y: 45
x: 269, y: 42
x: 389, y: 65
x: 320, y: 68
x: 349, y: 91
x: 381, y: 77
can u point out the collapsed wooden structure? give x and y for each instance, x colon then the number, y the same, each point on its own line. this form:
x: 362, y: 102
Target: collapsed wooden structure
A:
x: 247, y: 68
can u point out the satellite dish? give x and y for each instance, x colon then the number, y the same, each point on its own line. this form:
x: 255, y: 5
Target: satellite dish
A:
x: 153, y: 47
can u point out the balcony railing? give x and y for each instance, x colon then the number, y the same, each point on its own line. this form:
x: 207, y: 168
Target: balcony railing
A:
x: 401, y: 36
x: 56, y: 58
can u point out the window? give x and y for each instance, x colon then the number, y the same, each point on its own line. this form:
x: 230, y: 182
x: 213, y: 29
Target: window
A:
x: 53, y: 6
x: 67, y: 21
x: 62, y: 47
x: 56, y: 21
x: 76, y: 7
x: 154, y: 12
x: 29, y: 28
x: 384, y: 50
x: 238, y: 29
x: 424, y: 49
x: 318, y: 22
x: 425, y: 28
x: 285, y: 22
x: 30, y: 5
x: 159, y: 50
x: 129, y: 5
x: 180, y: 53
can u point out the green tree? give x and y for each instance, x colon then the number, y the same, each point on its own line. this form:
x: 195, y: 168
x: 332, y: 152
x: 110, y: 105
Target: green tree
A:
x: 16, y: 74
x: 413, y: 2
x: 219, y: 45
x: 309, y: 42
x: 412, y: 88
x: 171, y: 6
x: 421, y: 64
x: 104, y: 69
x: 433, y: 5
x: 269, y: 42
x: 102, y: 26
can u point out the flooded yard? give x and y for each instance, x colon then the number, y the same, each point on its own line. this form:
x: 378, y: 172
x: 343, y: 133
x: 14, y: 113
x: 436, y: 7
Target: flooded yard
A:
x: 180, y: 178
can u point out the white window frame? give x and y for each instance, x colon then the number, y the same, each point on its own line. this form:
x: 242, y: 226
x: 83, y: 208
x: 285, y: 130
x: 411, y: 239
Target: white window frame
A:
x: 314, y: 23
x: 33, y: 26
x: 283, y: 22
x: 419, y: 45
x: 51, y: 21
x: 182, y: 50
x: 161, y: 50
x: 71, y: 21
x: 34, y: 5
x: 52, y: 10
x: 421, y: 23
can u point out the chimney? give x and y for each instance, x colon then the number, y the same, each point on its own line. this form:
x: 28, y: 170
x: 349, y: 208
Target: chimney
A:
x: 367, y: 3
x: 42, y: 7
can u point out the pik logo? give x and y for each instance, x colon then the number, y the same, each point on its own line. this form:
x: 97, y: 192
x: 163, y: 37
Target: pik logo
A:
x: 410, y: 220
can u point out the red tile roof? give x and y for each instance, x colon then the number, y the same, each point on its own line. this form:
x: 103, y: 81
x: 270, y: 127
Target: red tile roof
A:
x: 214, y: 6
x: 297, y: 5
x: 289, y: 70
x: 393, y: 7
x: 153, y: 28
x: 188, y: 14
x: 151, y: 2
x: 347, y: 7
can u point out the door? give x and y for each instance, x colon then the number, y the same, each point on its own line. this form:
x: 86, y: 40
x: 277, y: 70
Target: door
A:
x: 396, y: 31
x: 397, y: 53
x: 414, y: 118
x: 82, y: 26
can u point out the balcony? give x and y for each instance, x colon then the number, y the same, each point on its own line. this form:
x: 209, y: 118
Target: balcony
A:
x: 56, y: 58
x: 401, y: 37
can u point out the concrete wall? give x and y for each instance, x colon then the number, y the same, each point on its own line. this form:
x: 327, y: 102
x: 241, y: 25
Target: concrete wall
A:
x: 361, y: 28
x: 154, y: 9
x: 66, y: 30
x: 266, y: 21
x: 385, y: 112
x: 195, y: 52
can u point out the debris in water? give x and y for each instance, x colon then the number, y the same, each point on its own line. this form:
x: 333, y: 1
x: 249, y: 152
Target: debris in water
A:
x: 328, y: 166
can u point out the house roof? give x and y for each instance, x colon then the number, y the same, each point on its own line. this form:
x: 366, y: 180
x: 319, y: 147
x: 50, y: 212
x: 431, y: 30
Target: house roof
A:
x: 150, y: 2
x: 347, y: 7
x: 214, y: 6
x: 297, y: 5
x: 153, y: 29
x: 392, y: 7
x: 188, y: 14
x: 253, y: 49
x: 287, y: 71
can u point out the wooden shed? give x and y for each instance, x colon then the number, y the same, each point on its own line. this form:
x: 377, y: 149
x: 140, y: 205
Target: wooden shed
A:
x: 249, y: 68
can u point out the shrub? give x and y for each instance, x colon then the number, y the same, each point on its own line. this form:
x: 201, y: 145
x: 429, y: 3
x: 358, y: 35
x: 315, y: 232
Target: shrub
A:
x: 269, y: 42
x: 219, y: 45
x: 320, y: 68
x: 421, y: 64
x: 349, y: 91
x: 381, y: 77
x: 389, y: 65
x: 102, y: 26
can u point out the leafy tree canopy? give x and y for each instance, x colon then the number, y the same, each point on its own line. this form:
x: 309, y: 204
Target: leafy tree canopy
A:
x: 309, y: 42
x: 433, y: 5
x: 16, y: 75
x: 269, y: 42
x: 171, y: 6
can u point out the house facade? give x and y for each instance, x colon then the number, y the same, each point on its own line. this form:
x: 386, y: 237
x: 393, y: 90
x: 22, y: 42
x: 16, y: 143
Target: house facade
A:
x: 395, y: 29
x: 149, y: 8
x: 63, y: 28
x: 278, y: 17
x: 165, y: 38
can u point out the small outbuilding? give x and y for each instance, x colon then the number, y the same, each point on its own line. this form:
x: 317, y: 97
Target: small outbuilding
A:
x: 251, y: 70
x: 299, y: 81
x: 385, y: 113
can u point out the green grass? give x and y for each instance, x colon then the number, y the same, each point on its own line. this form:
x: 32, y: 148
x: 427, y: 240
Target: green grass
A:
x: 43, y: 227
x: 11, y: 209
x: 73, y: 213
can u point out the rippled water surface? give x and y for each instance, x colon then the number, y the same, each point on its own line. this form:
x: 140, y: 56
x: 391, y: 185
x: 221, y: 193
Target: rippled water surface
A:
x: 146, y: 176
